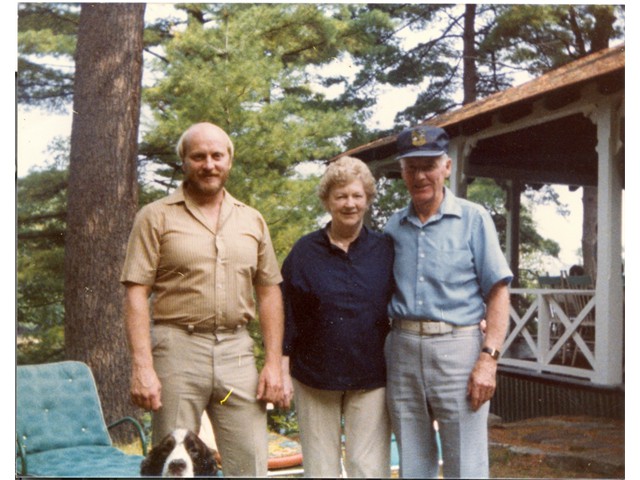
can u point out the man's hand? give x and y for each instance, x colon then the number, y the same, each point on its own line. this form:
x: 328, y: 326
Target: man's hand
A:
x: 270, y: 384
x: 146, y: 389
x: 145, y: 385
x: 287, y: 383
x: 272, y: 326
x: 482, y: 382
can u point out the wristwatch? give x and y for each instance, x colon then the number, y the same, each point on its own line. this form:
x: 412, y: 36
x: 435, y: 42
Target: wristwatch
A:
x: 492, y: 352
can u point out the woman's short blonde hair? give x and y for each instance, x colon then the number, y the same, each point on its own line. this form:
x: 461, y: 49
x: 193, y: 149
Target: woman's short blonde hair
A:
x: 344, y: 171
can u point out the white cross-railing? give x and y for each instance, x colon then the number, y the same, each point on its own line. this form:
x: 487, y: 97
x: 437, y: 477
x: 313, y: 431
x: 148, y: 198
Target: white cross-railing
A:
x: 552, y: 330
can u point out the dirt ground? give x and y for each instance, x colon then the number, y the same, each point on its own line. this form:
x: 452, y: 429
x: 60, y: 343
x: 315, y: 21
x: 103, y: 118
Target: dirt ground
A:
x: 558, y: 447
x: 550, y: 447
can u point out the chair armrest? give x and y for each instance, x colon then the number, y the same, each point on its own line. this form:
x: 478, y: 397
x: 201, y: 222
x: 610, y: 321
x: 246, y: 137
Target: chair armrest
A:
x: 136, y: 424
x: 20, y: 451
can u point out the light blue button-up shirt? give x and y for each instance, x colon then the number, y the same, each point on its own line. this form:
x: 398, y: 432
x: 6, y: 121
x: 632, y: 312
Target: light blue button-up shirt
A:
x: 445, y: 268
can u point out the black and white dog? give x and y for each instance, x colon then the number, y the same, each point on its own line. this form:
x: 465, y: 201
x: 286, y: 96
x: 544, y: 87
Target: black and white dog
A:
x: 180, y: 454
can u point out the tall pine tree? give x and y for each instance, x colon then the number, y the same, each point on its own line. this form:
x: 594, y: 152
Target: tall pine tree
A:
x: 102, y: 193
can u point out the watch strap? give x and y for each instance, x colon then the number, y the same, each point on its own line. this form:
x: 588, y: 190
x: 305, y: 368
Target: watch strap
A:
x: 492, y: 352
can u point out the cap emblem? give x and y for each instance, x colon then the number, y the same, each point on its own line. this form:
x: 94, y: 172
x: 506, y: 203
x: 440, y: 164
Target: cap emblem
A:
x: 417, y: 138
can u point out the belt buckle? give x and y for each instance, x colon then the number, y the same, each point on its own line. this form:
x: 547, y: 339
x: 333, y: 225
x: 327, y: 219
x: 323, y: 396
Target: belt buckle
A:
x: 225, y: 329
x: 435, y: 328
x: 426, y: 328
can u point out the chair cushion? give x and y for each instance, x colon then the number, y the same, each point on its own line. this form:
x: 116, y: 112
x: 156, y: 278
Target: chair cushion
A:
x: 92, y: 461
x: 58, y: 407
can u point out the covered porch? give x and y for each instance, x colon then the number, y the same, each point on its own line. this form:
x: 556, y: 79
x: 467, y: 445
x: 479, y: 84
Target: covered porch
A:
x: 565, y: 127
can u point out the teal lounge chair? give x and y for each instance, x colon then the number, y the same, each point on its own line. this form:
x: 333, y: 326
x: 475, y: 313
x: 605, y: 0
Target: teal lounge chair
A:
x: 60, y: 428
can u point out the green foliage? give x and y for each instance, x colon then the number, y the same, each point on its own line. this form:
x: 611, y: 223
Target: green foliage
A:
x: 41, y: 212
x: 493, y: 198
x: 392, y: 196
x: 243, y: 67
x: 41, y: 203
x: 46, y: 37
x: 430, y: 62
x: 41, y: 347
x: 283, y: 421
x: 47, y: 29
x: 506, y: 40
x: 542, y: 37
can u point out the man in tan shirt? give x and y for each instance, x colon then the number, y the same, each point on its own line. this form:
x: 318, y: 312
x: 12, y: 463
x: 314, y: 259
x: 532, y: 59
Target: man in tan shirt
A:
x: 199, y: 254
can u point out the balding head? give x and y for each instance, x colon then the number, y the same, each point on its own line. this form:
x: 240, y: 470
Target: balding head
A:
x: 201, y: 128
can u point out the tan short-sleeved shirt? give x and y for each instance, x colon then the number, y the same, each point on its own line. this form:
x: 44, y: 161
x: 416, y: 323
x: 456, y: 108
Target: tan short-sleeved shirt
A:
x: 198, y: 276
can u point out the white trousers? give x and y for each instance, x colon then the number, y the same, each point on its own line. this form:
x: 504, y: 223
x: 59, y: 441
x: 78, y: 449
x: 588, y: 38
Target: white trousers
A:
x: 367, y: 432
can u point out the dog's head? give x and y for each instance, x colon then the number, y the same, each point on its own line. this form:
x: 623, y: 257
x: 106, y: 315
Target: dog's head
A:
x: 180, y: 454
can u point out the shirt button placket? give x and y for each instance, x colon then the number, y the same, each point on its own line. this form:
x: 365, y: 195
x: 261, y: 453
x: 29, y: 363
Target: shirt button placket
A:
x: 220, y: 280
x: 420, y: 293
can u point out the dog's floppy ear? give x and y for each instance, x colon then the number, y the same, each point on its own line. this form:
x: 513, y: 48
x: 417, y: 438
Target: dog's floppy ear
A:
x: 204, y: 462
x: 154, y: 462
x: 206, y: 465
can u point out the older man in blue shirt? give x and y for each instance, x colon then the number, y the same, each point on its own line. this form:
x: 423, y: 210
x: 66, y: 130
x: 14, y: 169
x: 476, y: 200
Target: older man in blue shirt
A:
x: 450, y: 274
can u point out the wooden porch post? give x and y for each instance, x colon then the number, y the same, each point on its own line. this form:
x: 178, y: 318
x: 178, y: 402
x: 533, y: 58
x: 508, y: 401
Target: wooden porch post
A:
x: 513, y: 229
x: 458, y: 180
x: 609, y: 295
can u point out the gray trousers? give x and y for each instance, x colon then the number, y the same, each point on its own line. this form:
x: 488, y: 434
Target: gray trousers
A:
x: 427, y: 379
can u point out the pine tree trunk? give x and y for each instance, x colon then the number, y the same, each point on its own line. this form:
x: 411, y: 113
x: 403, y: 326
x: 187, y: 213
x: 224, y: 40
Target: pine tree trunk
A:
x: 102, y: 194
x: 470, y: 69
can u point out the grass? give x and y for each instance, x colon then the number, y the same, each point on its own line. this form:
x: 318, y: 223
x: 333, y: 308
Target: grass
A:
x: 131, y: 448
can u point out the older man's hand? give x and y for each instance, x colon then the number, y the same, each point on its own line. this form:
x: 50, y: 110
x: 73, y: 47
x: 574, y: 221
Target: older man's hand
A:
x: 482, y: 381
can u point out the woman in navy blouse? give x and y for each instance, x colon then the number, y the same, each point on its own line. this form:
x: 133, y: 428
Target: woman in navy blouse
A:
x: 337, y: 283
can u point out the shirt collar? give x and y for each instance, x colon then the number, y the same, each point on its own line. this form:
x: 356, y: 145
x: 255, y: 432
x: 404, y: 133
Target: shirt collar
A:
x: 178, y: 196
x: 226, y: 208
x: 364, y: 232
x: 450, y: 206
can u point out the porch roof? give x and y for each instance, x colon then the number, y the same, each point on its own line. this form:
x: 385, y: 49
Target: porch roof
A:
x: 558, y: 88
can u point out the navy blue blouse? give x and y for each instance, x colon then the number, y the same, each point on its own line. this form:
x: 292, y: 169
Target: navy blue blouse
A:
x: 336, y: 310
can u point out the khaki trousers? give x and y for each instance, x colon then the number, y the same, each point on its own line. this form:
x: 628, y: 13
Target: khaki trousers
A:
x: 367, y: 432
x: 215, y: 373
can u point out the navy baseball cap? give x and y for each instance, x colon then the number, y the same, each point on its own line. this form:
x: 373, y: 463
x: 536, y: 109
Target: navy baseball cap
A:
x: 422, y: 141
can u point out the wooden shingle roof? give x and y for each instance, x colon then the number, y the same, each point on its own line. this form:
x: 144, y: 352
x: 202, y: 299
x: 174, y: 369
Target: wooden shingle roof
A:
x: 605, y: 66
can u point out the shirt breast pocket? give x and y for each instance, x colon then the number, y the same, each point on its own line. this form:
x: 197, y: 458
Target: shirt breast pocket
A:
x: 451, y: 266
x: 245, y: 254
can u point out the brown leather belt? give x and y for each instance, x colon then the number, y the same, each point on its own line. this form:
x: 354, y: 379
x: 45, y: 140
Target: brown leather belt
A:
x: 202, y: 329
x: 428, y: 327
